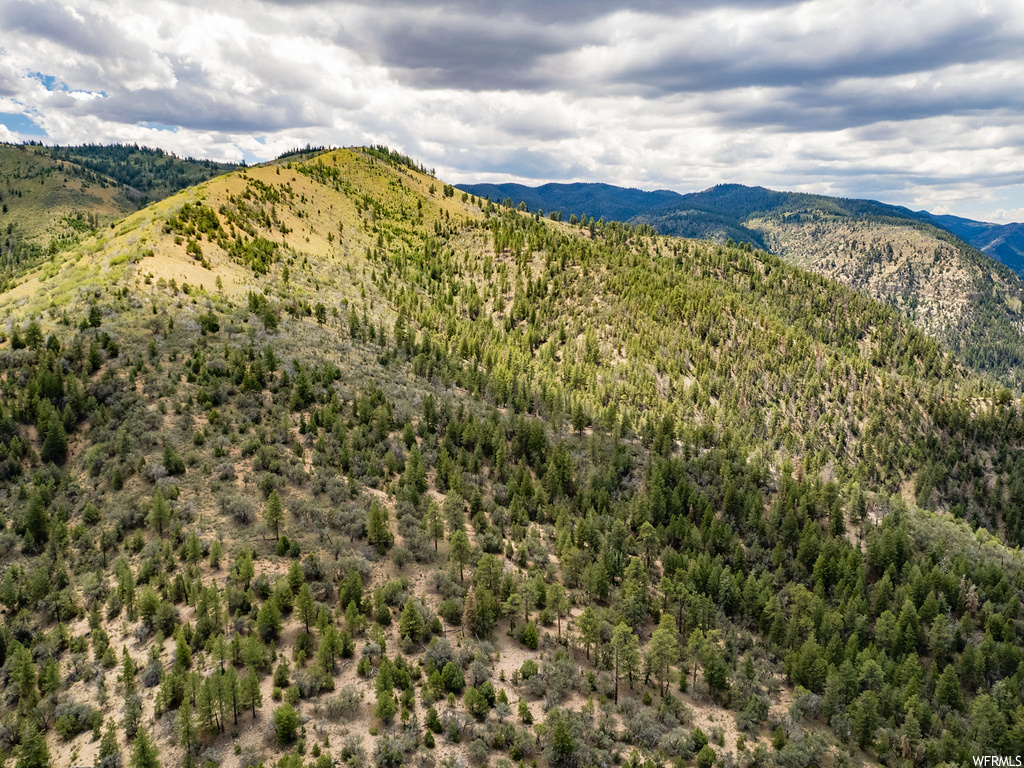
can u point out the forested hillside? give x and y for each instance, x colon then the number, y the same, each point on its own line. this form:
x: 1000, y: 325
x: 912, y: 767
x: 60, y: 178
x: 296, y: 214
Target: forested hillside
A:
x: 951, y: 290
x: 53, y: 197
x: 327, y: 462
x: 955, y: 293
x: 151, y: 174
x: 47, y: 205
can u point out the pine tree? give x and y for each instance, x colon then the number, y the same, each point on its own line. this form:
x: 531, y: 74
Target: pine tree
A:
x: 182, y: 653
x: 387, y: 705
x: 558, y: 601
x: 663, y: 651
x: 230, y: 692
x: 306, y: 606
x: 625, y: 654
x: 159, y: 512
x: 186, y: 726
x: 32, y: 751
x: 109, y: 755
x: 37, y: 523
x: 588, y: 628
x: 23, y: 675
x: 268, y: 620
x: 648, y: 538
x: 524, y: 712
x: 144, y: 753
x: 55, y: 446
x: 273, y: 515
x: 470, y: 616
x: 377, y: 532
x: 434, y: 523
x: 251, y: 697
x: 410, y: 623
x: 460, y: 551
x: 243, y: 569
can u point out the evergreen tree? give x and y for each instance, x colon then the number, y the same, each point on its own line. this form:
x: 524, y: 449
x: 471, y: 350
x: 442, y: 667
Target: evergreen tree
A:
x: 525, y: 716
x: 251, y: 697
x: 109, y: 754
x: 410, y: 623
x: 459, y: 551
x: 186, y: 727
x: 144, y: 753
x: 663, y: 651
x: 558, y: 601
x: 37, y: 523
x: 32, y: 749
x: 55, y: 446
x: 589, y: 629
x: 306, y: 606
x: 286, y: 723
x: 434, y: 523
x: 230, y: 692
x: 273, y: 514
x: 470, y: 614
x: 243, y: 570
x: 159, y: 513
x: 387, y: 705
x: 268, y: 620
x: 625, y: 649
x: 23, y: 676
x: 377, y: 532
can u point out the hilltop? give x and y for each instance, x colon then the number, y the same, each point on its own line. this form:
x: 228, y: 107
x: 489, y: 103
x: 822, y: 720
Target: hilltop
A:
x: 325, y: 460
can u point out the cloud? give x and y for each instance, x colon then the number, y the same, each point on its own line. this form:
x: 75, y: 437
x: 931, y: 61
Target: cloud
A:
x: 820, y: 95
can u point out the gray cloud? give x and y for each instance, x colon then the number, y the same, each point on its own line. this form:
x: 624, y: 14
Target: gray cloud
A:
x: 917, y: 102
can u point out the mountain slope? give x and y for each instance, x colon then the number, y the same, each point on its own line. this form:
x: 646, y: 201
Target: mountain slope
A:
x: 48, y: 204
x: 52, y: 197
x: 152, y: 174
x: 1003, y: 242
x: 956, y: 294
x: 316, y: 461
x: 903, y: 257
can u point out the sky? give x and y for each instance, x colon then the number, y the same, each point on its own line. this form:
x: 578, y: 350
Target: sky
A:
x: 913, y: 102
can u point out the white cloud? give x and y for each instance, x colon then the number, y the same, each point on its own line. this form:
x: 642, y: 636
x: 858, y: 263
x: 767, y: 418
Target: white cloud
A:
x: 822, y: 95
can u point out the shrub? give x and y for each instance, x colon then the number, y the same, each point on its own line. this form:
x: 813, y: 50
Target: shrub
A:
x: 529, y: 636
x: 345, y: 704
x: 286, y: 723
x: 72, y: 718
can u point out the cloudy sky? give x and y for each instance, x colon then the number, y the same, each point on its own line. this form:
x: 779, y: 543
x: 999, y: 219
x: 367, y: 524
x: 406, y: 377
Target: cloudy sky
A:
x: 916, y: 102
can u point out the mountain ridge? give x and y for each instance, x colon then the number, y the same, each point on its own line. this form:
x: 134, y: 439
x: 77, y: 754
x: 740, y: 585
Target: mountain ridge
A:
x: 1000, y: 241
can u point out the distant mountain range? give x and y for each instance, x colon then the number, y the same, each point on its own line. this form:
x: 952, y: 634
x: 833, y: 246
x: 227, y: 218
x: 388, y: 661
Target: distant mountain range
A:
x: 722, y: 212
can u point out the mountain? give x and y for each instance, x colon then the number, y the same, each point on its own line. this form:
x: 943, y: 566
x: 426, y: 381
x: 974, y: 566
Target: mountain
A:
x: 599, y: 201
x: 718, y: 213
x: 949, y: 289
x: 320, y: 462
x: 1003, y: 242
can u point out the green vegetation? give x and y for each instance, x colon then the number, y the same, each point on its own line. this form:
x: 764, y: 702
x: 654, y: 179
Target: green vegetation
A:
x: 152, y: 174
x: 519, y: 492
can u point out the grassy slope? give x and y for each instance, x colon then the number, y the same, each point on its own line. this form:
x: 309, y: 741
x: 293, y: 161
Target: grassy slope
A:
x: 735, y: 347
x: 49, y: 204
